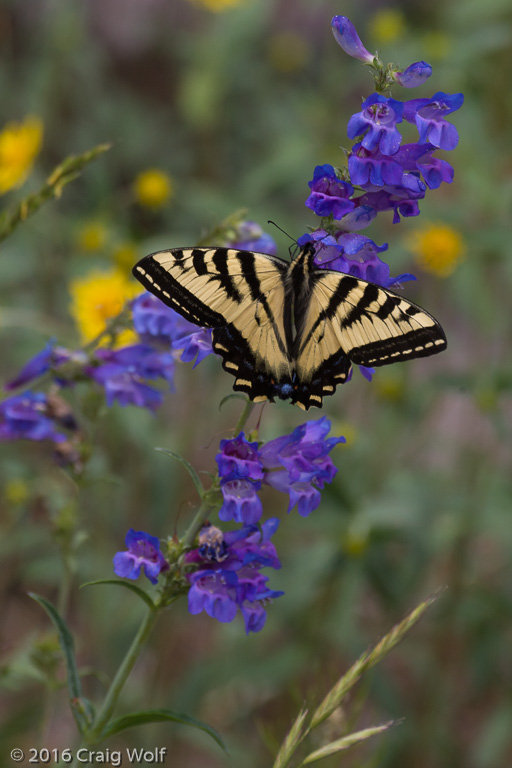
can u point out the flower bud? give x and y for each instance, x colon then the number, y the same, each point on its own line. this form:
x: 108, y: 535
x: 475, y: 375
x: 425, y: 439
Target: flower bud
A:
x: 416, y: 74
x: 345, y: 35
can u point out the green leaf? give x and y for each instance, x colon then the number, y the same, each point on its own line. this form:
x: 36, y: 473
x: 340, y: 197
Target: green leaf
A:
x: 127, y: 585
x: 188, y: 466
x: 160, y: 716
x: 344, y: 743
x: 81, y: 707
x: 233, y: 396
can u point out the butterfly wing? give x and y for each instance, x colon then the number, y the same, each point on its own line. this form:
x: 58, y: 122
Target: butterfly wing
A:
x: 352, y: 321
x: 241, y: 295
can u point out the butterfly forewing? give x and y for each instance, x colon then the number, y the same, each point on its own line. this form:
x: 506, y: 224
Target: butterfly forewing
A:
x: 241, y: 295
x: 374, y: 326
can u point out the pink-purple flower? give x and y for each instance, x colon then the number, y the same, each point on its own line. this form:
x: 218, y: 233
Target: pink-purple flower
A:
x: 233, y: 582
x: 143, y: 552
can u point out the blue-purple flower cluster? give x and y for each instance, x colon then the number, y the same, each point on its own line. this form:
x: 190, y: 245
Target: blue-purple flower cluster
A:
x: 226, y: 576
x: 127, y: 374
x: 382, y: 174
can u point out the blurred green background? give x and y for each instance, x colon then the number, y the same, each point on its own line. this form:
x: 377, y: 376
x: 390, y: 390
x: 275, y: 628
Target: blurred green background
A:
x: 236, y: 107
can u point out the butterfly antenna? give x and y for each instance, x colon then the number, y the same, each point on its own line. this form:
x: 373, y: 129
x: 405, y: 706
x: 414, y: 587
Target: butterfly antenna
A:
x: 282, y: 230
x: 296, y: 245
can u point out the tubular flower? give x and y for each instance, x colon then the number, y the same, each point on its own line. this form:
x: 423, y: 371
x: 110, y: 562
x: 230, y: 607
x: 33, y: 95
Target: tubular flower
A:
x: 329, y: 195
x: 346, y: 36
x: 416, y: 74
x: 143, y: 552
x: 377, y: 124
x: 298, y: 464
x: 29, y: 416
x: 429, y: 114
x: 122, y: 373
x: 227, y: 578
x: 250, y: 236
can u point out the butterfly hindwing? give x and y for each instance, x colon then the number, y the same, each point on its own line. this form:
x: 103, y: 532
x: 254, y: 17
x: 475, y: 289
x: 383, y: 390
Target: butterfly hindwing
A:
x: 241, y: 296
x: 369, y: 324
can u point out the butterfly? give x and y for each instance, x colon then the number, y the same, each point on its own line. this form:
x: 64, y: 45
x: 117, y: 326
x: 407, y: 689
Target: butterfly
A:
x: 284, y: 329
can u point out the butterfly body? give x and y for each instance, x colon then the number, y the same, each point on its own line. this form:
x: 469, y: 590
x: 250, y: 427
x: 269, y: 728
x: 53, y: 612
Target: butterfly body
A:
x: 289, y: 330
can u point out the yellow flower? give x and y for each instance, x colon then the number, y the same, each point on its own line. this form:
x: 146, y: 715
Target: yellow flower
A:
x: 19, y: 145
x: 288, y: 52
x: 217, y: 6
x: 387, y: 26
x: 437, y: 45
x: 438, y: 249
x: 98, y: 297
x: 16, y: 492
x: 152, y: 188
x: 92, y: 236
x: 390, y: 386
x: 125, y: 255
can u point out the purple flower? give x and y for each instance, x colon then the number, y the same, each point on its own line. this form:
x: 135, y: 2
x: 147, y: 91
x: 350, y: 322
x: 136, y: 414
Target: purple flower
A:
x: 377, y: 124
x: 238, y: 458
x: 372, y: 167
x: 251, y: 237
x: 400, y: 198
x: 29, y: 416
x: 416, y: 74
x: 160, y: 326
x: 122, y: 373
x: 49, y: 357
x: 345, y: 35
x: 418, y: 157
x: 355, y: 255
x: 429, y: 114
x: 143, y: 552
x: 329, y: 195
x: 224, y: 585
x: 153, y: 320
x: 241, y: 501
x: 196, y: 344
x: 303, y: 456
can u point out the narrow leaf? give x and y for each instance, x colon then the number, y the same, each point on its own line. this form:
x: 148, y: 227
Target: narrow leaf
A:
x: 67, y: 171
x: 81, y: 707
x: 188, y: 466
x: 127, y: 585
x: 291, y: 741
x: 161, y: 716
x: 233, y: 396
x: 347, y: 741
x: 368, y: 660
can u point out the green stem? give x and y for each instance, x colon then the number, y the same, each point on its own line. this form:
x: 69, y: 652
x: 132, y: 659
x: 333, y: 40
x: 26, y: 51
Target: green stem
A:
x: 208, y: 504
x: 248, y: 409
x: 108, y: 706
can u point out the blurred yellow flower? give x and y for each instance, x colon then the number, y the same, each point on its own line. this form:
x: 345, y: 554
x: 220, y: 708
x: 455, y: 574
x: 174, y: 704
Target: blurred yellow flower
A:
x: 92, y: 236
x: 152, y: 188
x: 16, y: 491
x: 387, y: 25
x: 355, y: 543
x: 217, y: 6
x: 437, y: 45
x: 438, y: 249
x: 288, y: 52
x: 98, y: 297
x: 19, y: 145
x: 390, y: 386
x: 125, y: 255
